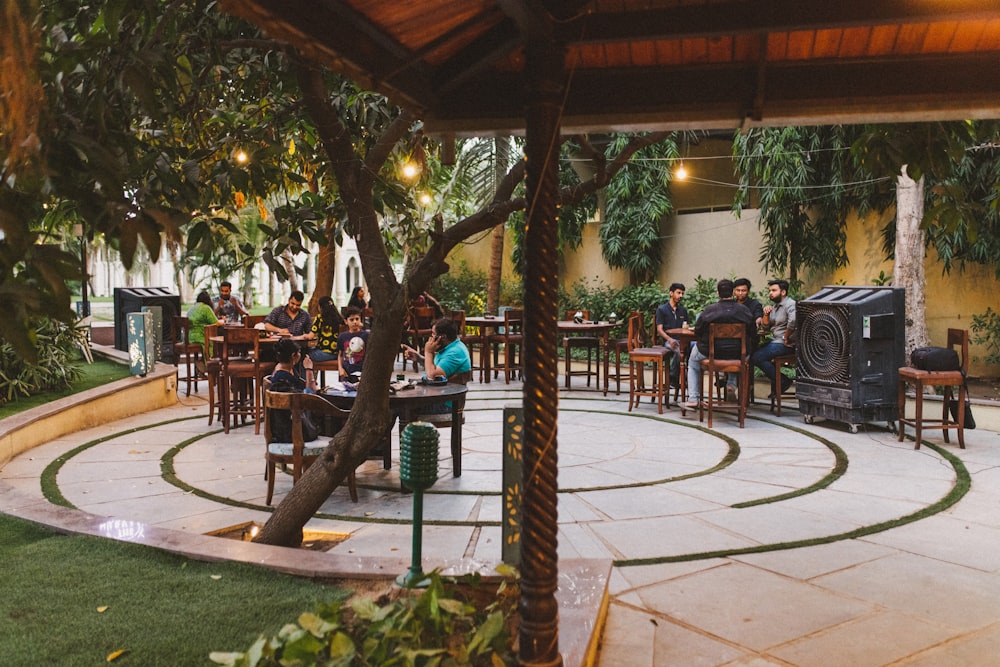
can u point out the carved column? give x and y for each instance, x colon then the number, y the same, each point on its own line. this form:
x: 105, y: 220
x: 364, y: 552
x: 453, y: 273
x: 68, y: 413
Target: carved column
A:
x: 539, y: 633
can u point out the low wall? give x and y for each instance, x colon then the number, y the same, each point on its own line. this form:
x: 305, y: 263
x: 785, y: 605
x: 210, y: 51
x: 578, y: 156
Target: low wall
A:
x: 124, y: 398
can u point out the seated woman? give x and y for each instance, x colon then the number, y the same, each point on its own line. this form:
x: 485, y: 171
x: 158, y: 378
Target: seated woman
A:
x: 326, y: 327
x: 284, y: 379
x: 200, y: 316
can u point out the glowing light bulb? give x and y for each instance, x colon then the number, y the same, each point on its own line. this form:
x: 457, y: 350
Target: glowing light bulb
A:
x: 241, y: 156
x: 681, y: 172
x: 425, y: 199
x: 409, y: 170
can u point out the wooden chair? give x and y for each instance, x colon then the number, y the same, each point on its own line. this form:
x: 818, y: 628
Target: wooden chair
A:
x: 512, y: 340
x: 958, y: 339
x: 443, y: 419
x: 242, y: 376
x: 250, y: 321
x: 618, y: 347
x: 297, y: 453
x: 638, y: 356
x: 188, y: 352
x: 588, y: 343
x: 322, y: 367
x: 419, y: 326
x: 781, y: 361
x: 719, y: 331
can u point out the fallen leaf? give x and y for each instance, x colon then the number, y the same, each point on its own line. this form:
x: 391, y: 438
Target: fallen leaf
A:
x: 114, y: 655
x: 369, y: 513
x: 216, y: 576
x: 102, y: 609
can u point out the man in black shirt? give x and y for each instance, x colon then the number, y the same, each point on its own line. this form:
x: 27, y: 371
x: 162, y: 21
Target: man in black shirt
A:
x: 726, y: 310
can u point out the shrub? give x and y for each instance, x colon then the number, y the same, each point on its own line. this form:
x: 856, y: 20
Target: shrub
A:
x: 986, y: 330
x: 435, y: 628
x: 465, y: 289
x: 56, y: 368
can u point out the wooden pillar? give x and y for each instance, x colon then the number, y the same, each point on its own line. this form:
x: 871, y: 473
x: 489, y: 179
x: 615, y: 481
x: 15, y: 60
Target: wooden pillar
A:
x: 539, y: 632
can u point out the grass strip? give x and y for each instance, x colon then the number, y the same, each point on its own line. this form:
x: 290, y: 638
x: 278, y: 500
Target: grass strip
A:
x: 963, y: 482
x: 160, y: 608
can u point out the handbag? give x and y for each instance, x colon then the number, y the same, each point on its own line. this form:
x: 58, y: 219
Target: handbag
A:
x: 970, y: 421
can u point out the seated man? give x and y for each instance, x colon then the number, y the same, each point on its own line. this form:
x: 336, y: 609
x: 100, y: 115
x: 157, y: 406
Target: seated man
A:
x: 290, y: 319
x: 445, y: 356
x: 228, y: 306
x: 672, y: 315
x: 779, y: 320
x: 352, y: 345
x: 725, y: 310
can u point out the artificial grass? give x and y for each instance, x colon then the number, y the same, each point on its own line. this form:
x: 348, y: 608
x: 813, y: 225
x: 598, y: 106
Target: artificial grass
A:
x: 97, y: 374
x: 162, y: 609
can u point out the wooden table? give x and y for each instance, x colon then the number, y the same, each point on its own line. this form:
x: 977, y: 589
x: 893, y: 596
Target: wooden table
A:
x: 408, y: 403
x: 684, y: 337
x: 599, y: 329
x: 485, y: 323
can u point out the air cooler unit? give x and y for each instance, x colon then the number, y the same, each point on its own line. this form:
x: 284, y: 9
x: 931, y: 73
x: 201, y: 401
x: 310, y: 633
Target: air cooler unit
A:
x: 132, y: 299
x: 850, y: 349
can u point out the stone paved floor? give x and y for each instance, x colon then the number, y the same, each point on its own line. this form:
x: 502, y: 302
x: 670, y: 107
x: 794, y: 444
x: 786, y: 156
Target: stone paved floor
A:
x: 731, y: 546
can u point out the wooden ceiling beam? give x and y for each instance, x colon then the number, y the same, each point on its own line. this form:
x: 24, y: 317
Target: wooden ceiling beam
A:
x: 715, y: 97
x: 735, y: 18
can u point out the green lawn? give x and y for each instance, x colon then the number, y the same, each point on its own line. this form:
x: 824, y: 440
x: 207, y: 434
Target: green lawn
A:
x: 99, y: 373
x: 161, y: 609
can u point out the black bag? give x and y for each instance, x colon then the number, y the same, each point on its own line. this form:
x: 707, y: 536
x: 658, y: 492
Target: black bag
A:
x: 970, y: 421
x: 935, y: 359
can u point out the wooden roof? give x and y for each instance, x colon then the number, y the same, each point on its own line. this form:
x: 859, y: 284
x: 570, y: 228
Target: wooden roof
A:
x: 659, y: 64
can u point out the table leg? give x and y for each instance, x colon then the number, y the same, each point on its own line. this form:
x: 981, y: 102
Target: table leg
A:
x: 457, y: 410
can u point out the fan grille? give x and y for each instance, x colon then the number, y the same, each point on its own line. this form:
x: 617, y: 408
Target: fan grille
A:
x: 824, y: 342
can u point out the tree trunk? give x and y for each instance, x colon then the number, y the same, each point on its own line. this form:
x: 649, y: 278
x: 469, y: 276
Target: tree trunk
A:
x: 326, y: 267
x: 293, y: 277
x: 496, y: 270
x: 501, y: 149
x: 909, y: 270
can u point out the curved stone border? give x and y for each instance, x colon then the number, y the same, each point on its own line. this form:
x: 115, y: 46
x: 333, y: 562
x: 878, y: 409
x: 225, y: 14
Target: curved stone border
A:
x: 94, y: 407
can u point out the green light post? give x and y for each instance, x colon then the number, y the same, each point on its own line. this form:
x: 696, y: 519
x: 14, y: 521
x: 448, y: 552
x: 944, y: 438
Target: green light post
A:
x: 418, y: 469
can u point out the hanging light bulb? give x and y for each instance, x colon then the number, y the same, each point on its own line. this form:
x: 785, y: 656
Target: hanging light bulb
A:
x: 681, y: 172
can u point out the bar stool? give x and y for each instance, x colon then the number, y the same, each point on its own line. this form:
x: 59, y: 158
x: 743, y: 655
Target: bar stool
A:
x: 638, y: 357
x: 957, y: 338
x: 780, y: 361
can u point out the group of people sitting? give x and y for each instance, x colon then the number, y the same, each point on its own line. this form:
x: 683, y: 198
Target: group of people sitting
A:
x: 340, y: 336
x: 735, y: 306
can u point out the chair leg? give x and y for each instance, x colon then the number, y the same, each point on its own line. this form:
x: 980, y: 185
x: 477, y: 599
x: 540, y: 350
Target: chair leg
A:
x: 352, y: 487
x: 269, y: 474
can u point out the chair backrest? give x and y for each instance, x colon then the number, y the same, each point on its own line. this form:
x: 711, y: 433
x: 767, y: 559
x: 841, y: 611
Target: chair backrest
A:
x: 295, y: 403
x: 239, y: 342
x: 571, y: 314
x: 182, y: 330
x: 513, y: 321
x: 458, y: 317
x: 461, y: 378
x: 250, y: 321
x: 958, y: 339
x: 211, y: 331
x: 421, y: 318
x: 719, y: 331
x: 635, y: 332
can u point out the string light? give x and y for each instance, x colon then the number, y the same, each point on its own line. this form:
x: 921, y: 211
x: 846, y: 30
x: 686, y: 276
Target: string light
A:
x: 410, y: 171
x: 681, y: 172
x: 241, y: 156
